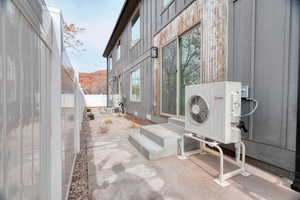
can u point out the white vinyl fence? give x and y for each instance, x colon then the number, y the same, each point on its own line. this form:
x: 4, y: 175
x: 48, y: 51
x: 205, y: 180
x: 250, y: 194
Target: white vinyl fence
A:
x: 41, y: 103
x: 96, y: 100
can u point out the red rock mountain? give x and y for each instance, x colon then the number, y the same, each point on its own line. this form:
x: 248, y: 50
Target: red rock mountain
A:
x: 94, y: 83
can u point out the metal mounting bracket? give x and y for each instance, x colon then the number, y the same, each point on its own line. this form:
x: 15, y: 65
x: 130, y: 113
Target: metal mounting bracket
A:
x: 222, y: 179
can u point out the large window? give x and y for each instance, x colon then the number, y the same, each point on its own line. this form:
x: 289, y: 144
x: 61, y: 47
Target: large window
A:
x: 119, y: 50
x: 135, y: 85
x: 135, y: 29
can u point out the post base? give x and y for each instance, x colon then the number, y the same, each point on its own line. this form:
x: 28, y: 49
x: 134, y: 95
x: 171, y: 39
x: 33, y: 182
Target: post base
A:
x: 222, y: 184
x: 245, y: 173
x: 182, y: 157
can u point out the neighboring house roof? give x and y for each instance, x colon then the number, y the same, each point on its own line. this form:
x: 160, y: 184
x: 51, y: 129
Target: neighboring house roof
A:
x: 126, y: 13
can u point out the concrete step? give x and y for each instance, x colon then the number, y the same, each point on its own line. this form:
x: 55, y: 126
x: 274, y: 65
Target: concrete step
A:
x: 147, y: 147
x: 164, y: 132
x: 160, y: 134
x: 161, y: 140
x: 176, y: 121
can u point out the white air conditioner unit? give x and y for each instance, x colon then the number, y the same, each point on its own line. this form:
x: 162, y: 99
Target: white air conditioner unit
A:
x: 213, y: 111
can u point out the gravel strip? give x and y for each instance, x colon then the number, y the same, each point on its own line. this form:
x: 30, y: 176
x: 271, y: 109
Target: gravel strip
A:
x: 79, y: 186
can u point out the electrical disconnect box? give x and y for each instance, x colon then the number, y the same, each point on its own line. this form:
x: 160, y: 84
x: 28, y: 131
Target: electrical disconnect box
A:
x: 245, y: 91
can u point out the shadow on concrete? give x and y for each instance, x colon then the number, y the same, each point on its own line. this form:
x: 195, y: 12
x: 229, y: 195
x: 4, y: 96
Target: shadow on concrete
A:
x: 128, y: 186
x: 125, y: 186
x: 253, y: 186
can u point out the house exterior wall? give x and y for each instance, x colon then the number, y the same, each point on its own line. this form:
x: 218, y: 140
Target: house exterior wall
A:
x: 164, y: 15
x: 153, y: 18
x: 241, y: 41
x: 266, y: 57
x: 212, y: 16
x: 136, y: 57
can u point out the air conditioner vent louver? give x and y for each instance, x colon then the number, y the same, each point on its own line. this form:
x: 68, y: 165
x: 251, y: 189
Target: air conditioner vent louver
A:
x: 198, y: 109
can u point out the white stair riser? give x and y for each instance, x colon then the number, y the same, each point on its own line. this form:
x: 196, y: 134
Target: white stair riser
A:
x: 163, y: 142
x: 153, y: 155
x: 160, y: 141
x: 139, y: 147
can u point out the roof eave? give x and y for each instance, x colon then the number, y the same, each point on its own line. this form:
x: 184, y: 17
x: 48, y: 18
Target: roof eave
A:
x: 127, y: 11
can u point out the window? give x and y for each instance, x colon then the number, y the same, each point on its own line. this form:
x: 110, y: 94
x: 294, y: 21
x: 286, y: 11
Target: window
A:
x: 109, y: 68
x: 119, y: 86
x: 110, y: 63
x: 135, y: 85
x: 119, y: 50
x: 135, y: 29
x: 166, y: 2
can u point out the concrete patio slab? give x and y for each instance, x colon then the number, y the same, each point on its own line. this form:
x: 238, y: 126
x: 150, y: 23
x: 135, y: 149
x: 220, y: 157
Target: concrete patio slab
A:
x: 117, y: 171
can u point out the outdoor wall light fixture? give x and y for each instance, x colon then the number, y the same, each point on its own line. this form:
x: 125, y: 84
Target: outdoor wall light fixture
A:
x: 154, y: 52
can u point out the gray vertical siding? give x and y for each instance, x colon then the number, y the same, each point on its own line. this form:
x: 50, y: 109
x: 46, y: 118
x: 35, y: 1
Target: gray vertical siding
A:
x: 143, y: 107
x: 137, y: 56
x: 2, y: 130
x: 151, y: 22
x: 153, y: 18
x: 266, y: 58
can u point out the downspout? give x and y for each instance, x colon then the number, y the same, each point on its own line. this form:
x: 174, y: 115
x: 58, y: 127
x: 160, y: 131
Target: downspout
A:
x: 107, y: 77
x: 296, y: 184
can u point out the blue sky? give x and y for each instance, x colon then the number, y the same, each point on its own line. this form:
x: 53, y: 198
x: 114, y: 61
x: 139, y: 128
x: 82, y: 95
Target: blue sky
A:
x: 99, y: 18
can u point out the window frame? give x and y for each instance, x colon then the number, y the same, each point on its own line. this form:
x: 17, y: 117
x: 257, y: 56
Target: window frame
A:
x: 109, y: 68
x: 139, y: 98
x: 133, y: 43
x: 119, y: 51
x: 178, y: 61
x: 110, y: 63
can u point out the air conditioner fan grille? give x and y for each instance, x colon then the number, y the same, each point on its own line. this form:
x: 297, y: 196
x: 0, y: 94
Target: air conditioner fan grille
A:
x: 198, y: 109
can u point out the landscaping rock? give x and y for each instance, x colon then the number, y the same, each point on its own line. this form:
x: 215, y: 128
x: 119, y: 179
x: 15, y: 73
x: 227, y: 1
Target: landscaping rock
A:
x: 79, y: 186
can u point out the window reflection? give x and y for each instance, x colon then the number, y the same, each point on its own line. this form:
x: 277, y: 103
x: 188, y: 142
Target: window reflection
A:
x: 135, y: 29
x: 135, y: 85
x: 169, y: 78
x: 190, y: 47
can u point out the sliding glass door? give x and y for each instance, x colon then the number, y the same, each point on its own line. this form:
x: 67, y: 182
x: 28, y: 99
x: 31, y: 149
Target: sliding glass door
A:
x: 180, y: 71
x: 169, y: 79
x: 189, y: 45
